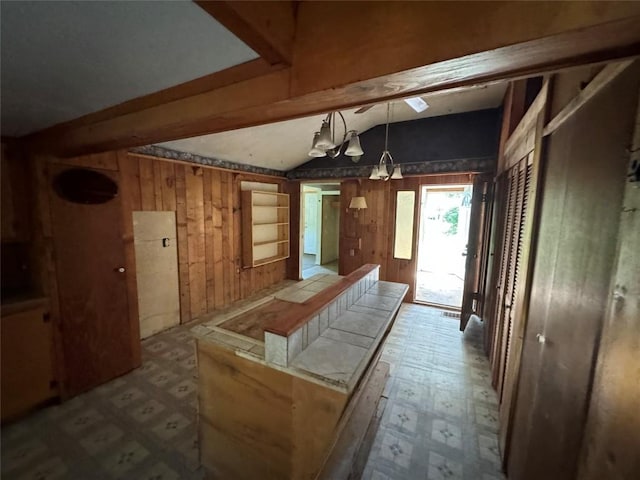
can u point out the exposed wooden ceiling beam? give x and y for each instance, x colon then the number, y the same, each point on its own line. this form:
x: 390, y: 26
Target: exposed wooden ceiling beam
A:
x: 267, y: 27
x: 229, y: 76
x: 607, y: 33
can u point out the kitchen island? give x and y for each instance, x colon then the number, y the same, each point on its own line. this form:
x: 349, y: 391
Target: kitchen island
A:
x: 279, y: 380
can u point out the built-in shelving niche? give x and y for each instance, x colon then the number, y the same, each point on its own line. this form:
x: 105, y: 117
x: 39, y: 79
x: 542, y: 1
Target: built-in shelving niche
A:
x: 265, y: 227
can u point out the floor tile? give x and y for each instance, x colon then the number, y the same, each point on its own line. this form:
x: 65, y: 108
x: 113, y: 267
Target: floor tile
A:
x: 440, y: 407
x: 440, y: 420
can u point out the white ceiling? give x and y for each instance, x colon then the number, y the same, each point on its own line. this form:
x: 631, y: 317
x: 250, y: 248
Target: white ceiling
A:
x: 285, y: 145
x: 61, y: 60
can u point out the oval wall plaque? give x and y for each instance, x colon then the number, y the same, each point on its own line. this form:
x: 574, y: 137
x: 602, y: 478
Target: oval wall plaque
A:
x: 80, y: 185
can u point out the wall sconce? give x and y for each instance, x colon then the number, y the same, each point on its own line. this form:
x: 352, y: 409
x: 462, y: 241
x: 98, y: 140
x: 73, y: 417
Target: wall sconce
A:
x: 356, y: 204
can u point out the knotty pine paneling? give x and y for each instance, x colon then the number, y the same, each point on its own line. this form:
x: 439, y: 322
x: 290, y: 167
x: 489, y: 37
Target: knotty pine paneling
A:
x: 374, y: 226
x: 207, y: 206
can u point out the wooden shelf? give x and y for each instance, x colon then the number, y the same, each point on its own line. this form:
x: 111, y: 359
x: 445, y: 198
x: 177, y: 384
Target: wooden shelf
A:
x: 275, y: 258
x: 270, y: 242
x: 265, y: 227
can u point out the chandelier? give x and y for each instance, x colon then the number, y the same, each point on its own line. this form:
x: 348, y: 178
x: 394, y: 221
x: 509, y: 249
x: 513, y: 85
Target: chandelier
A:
x: 325, y: 141
x: 386, y: 168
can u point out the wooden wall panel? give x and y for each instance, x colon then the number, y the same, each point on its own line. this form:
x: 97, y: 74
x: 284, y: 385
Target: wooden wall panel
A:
x: 402, y: 270
x: 581, y: 200
x: 207, y: 206
x: 168, y: 185
x: 230, y: 293
x: 147, y: 185
x: 216, y: 258
x: 350, y: 229
x: 373, y: 228
x: 293, y: 262
x: 195, y: 240
x: 208, y: 238
x: 611, y: 442
x: 183, y: 244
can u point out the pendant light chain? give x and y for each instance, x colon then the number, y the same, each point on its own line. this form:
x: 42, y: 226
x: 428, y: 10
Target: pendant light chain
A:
x: 386, y: 134
x: 381, y: 171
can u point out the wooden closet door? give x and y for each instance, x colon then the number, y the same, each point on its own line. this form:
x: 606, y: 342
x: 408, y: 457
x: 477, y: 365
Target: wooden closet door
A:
x: 585, y: 166
x: 92, y: 289
x: 522, y: 152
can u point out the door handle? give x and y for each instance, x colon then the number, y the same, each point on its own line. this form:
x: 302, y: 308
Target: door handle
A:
x: 120, y: 269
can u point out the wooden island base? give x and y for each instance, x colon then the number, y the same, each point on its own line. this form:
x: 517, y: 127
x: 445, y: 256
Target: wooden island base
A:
x: 308, y: 419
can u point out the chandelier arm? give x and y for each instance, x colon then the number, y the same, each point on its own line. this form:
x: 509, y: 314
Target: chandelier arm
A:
x: 344, y: 137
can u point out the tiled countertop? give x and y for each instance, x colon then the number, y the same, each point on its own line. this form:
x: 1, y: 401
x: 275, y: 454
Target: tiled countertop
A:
x: 344, y: 350
x: 339, y: 355
x: 298, y: 292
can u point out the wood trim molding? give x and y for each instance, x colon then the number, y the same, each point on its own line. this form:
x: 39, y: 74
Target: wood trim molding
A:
x: 522, y: 140
x: 161, y: 153
x: 267, y: 27
x: 601, y: 80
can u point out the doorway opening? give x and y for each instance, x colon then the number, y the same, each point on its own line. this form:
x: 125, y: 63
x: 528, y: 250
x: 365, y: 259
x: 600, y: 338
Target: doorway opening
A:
x: 321, y: 229
x: 442, y: 244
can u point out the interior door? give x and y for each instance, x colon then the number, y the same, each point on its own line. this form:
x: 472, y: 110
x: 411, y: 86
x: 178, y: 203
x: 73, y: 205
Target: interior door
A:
x: 154, y: 235
x: 311, y: 223
x: 92, y: 290
x: 477, y: 248
x: 330, y: 228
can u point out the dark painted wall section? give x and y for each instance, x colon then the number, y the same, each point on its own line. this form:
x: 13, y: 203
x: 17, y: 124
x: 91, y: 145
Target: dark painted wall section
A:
x: 450, y: 143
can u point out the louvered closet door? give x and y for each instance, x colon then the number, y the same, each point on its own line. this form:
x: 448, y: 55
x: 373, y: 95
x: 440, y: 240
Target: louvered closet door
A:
x: 521, y: 173
x: 520, y: 181
x: 509, y: 210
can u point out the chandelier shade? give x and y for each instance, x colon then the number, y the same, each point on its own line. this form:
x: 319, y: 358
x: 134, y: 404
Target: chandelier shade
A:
x: 315, y: 151
x: 325, y: 141
x: 354, y: 149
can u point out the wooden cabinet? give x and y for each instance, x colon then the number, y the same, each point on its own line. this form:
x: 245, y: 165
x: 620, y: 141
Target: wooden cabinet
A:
x: 27, y: 358
x: 265, y: 227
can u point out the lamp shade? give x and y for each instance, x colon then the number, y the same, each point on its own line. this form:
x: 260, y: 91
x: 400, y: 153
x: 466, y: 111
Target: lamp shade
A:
x: 315, y: 151
x: 354, y: 149
x: 397, y: 173
x: 374, y: 174
x: 325, y: 141
x: 358, y: 202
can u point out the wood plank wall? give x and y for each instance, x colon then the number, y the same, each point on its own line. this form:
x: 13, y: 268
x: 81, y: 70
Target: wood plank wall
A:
x: 374, y: 227
x: 207, y: 205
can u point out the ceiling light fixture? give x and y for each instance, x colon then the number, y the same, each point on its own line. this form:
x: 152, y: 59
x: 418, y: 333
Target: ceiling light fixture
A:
x: 324, y: 142
x: 386, y: 168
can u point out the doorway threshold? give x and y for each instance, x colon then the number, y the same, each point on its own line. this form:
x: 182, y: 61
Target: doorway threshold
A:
x: 438, y: 305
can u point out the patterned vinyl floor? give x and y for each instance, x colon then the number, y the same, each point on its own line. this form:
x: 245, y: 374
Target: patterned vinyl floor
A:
x: 439, y: 422
x: 441, y: 415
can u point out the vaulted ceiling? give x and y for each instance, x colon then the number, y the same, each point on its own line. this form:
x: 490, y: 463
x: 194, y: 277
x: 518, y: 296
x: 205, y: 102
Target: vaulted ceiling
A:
x: 285, y: 145
x: 94, y: 76
x: 62, y: 60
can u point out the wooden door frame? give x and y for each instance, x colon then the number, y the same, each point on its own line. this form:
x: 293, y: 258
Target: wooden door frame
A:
x: 477, y: 250
x: 423, y: 185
